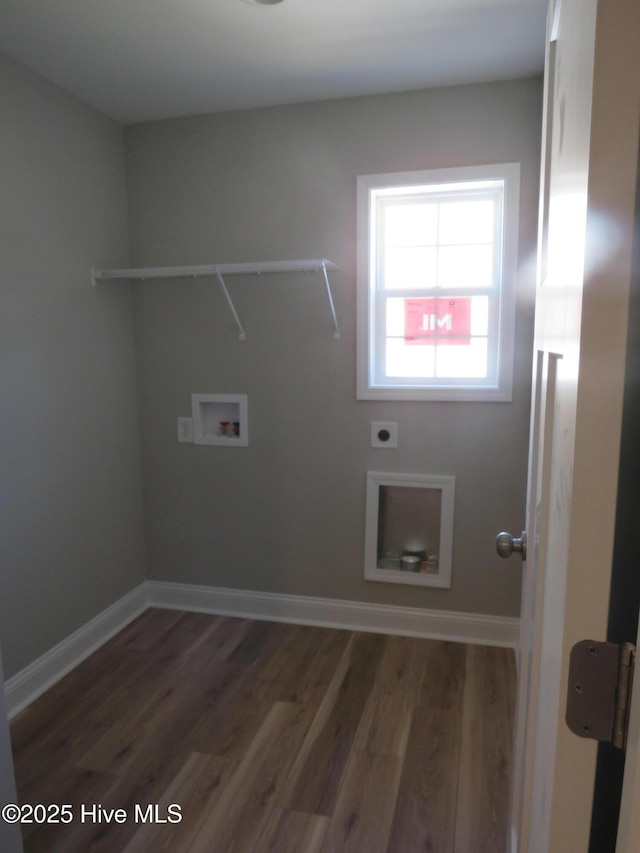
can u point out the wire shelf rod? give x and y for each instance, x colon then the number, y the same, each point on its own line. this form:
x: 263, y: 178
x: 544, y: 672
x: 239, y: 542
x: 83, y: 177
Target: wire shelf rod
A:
x: 218, y: 271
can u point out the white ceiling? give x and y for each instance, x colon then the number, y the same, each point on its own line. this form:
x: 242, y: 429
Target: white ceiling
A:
x: 137, y: 60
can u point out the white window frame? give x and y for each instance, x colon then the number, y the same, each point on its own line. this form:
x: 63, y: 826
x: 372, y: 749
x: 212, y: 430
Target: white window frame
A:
x: 372, y: 190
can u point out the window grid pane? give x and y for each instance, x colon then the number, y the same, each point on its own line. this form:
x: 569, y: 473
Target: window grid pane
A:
x: 466, y: 222
x: 443, y: 247
x: 436, y: 244
x: 410, y: 267
x: 432, y: 237
x: 432, y: 337
x: 433, y: 362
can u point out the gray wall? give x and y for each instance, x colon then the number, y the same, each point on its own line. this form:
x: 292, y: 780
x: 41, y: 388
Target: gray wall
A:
x: 286, y: 514
x: 71, y: 509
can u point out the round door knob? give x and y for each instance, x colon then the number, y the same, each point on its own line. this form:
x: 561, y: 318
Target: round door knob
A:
x: 506, y: 545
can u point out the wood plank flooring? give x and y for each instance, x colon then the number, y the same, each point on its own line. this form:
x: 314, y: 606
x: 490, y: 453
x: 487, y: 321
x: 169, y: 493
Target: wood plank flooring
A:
x: 271, y: 737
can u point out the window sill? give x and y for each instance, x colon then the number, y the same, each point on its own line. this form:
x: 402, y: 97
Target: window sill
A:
x: 445, y: 394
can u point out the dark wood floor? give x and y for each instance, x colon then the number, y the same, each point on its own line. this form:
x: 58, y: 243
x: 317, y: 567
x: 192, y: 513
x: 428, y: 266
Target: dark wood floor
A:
x: 271, y: 737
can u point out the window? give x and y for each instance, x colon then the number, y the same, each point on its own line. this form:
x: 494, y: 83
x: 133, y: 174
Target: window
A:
x: 436, y: 284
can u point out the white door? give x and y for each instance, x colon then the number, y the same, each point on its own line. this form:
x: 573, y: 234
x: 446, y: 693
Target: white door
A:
x: 589, y: 168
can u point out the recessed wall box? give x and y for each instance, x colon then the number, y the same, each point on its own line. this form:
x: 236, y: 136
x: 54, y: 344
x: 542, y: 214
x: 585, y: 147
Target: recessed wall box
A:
x: 220, y: 419
x: 409, y: 528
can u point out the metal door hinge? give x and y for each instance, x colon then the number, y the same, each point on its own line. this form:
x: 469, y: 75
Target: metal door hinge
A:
x: 600, y: 676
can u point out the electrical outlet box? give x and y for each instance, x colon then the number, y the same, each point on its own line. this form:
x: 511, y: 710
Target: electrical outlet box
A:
x: 185, y: 430
x: 384, y: 434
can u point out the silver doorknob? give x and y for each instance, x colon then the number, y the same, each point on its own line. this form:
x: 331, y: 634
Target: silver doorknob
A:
x: 506, y: 545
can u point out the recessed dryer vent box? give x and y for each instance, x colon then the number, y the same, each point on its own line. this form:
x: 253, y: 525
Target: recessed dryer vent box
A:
x: 220, y: 419
x: 409, y: 528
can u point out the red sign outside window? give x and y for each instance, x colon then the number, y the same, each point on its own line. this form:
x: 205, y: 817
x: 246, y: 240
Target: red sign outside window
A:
x: 434, y: 320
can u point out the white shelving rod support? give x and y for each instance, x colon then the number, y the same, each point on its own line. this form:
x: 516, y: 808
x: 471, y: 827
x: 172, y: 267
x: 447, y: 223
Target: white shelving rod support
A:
x: 241, y: 333
x: 217, y: 271
x: 336, y: 333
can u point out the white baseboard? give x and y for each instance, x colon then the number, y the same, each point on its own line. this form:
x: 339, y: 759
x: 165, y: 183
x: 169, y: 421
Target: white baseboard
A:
x: 335, y: 613
x: 29, y: 683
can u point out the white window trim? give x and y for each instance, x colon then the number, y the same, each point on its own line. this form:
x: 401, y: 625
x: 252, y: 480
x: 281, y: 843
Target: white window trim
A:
x: 501, y: 389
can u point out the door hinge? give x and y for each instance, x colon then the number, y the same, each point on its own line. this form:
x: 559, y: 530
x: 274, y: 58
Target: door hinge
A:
x: 600, y: 677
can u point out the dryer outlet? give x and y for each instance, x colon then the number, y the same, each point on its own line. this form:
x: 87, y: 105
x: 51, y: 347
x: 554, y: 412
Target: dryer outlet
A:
x: 384, y: 434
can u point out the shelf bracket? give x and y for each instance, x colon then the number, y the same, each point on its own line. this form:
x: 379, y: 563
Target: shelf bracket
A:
x: 241, y: 333
x: 336, y: 333
x: 217, y: 270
